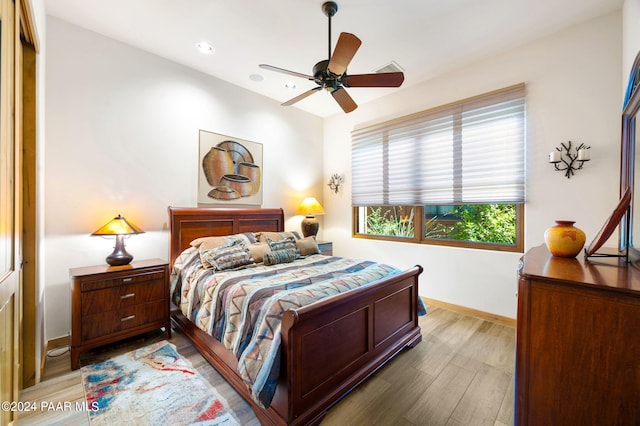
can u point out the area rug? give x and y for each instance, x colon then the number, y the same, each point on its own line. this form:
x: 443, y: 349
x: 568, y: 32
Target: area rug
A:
x: 153, y: 385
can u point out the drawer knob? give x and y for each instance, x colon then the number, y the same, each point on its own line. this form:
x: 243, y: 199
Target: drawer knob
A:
x: 130, y: 317
x: 126, y: 280
x: 127, y: 296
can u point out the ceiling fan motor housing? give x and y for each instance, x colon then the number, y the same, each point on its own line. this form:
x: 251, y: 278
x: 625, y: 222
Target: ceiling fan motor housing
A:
x: 325, y: 78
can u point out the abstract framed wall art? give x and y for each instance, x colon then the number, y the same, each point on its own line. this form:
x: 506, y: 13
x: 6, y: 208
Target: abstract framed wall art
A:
x: 229, y: 170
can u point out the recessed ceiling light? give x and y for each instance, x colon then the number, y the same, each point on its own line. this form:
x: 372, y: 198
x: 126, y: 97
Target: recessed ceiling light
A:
x: 290, y: 85
x: 256, y: 77
x: 205, y: 48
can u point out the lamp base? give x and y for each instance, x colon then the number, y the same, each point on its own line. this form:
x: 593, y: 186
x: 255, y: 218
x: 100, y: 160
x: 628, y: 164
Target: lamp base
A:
x: 119, y: 257
x: 310, y: 226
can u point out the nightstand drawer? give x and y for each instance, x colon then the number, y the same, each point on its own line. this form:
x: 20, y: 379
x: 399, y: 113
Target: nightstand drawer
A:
x: 122, y: 280
x: 105, y: 323
x: 109, y: 299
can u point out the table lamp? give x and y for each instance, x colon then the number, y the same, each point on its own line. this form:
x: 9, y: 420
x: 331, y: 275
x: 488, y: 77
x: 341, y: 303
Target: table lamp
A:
x: 310, y: 207
x: 119, y: 226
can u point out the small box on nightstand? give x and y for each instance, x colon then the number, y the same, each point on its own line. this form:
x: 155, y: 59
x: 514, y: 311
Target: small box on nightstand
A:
x: 326, y: 248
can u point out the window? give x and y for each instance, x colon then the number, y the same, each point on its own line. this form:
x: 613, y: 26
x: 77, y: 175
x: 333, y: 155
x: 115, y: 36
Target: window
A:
x: 456, y: 173
x: 390, y: 221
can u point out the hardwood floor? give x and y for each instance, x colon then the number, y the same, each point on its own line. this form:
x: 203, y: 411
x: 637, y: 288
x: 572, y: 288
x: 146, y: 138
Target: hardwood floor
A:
x: 460, y: 374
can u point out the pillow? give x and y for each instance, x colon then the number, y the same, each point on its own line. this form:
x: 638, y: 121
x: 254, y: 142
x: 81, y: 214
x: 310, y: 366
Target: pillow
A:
x: 286, y: 243
x: 226, y: 257
x: 225, y: 240
x: 276, y: 236
x: 258, y: 250
x: 280, y: 256
x: 307, y: 246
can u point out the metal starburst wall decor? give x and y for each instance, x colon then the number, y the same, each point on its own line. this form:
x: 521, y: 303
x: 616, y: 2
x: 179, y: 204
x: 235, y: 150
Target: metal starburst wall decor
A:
x: 335, y: 182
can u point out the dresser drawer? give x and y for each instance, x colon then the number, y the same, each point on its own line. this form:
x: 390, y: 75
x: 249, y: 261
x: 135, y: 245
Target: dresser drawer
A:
x: 113, y: 298
x: 105, y: 323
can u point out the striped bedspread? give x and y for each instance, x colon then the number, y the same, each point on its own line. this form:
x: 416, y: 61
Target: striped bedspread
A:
x: 243, y: 308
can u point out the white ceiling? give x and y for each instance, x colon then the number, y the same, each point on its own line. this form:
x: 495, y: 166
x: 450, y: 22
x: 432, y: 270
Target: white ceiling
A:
x: 425, y: 37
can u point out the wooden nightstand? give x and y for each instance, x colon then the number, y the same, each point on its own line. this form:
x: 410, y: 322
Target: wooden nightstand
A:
x: 110, y: 303
x: 326, y: 248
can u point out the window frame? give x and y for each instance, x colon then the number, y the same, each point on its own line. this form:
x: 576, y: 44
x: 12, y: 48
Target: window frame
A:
x: 418, y: 238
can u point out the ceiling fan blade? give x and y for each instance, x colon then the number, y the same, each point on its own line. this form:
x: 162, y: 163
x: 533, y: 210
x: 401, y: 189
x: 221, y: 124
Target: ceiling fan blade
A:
x: 301, y: 96
x: 282, y: 70
x: 346, y: 48
x: 344, y: 100
x: 383, y: 79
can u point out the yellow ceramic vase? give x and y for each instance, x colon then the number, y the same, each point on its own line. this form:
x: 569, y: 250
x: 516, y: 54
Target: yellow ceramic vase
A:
x: 563, y: 239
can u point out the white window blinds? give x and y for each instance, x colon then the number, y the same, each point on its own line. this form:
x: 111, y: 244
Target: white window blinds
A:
x: 467, y: 152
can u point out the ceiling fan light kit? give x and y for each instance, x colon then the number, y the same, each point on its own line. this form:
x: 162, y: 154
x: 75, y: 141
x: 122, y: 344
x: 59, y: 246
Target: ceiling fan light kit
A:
x: 331, y: 74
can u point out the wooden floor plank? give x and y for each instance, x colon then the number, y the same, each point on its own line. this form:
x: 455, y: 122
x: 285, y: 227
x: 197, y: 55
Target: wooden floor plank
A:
x: 507, y: 409
x: 437, y: 402
x: 492, y: 344
x: 359, y: 404
x: 481, y: 402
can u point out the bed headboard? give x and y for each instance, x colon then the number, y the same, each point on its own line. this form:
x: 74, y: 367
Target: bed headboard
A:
x: 188, y: 223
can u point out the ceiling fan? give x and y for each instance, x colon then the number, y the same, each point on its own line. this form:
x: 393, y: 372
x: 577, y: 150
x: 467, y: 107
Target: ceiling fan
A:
x: 331, y: 74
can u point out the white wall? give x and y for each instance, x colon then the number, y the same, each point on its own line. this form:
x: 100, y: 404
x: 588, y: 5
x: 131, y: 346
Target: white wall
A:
x: 630, y: 36
x: 122, y: 137
x: 573, y: 93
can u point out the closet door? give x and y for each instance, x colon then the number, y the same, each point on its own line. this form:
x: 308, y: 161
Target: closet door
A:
x: 10, y: 230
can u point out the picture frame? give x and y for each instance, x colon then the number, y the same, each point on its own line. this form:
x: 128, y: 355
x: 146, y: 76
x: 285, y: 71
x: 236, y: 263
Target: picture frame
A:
x: 229, y: 170
x: 609, y: 226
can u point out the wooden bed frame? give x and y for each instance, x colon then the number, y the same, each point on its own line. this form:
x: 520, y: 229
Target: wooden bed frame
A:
x: 329, y: 347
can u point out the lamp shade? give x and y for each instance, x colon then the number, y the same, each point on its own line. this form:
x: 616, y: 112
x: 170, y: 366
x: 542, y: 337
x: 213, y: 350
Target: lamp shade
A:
x: 119, y: 227
x: 310, y: 207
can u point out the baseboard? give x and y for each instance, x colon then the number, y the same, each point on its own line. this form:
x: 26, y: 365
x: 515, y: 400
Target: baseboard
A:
x: 50, y: 345
x: 43, y: 362
x: 498, y: 319
x: 58, y: 342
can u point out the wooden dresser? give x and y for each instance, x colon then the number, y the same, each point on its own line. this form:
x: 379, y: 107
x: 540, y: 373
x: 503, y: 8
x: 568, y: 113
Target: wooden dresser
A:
x: 110, y: 303
x: 578, y: 341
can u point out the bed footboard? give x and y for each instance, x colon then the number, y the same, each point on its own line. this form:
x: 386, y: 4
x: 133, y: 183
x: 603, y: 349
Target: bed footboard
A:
x: 331, y: 346
x: 328, y: 348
